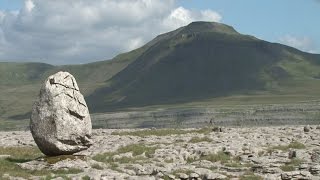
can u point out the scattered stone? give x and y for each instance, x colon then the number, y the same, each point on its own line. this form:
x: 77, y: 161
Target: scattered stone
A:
x: 217, y: 129
x: 296, y: 175
x: 183, y: 176
x: 194, y: 175
x: 315, y: 156
x: 306, y: 129
x: 171, y: 176
x: 258, y: 150
x: 213, y: 176
x: 292, y: 154
x: 315, y: 170
x: 60, y: 121
x: 303, y: 167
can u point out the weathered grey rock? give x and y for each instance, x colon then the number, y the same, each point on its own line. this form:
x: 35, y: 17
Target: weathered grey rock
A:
x: 212, y: 175
x: 306, y: 129
x: 292, y: 154
x: 183, y: 176
x: 296, y: 175
x: 60, y: 120
x: 315, y: 156
x: 194, y: 175
x: 315, y: 170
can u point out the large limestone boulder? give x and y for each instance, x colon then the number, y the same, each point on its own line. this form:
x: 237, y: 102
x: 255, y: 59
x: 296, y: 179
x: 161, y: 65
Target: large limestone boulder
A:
x: 60, y: 121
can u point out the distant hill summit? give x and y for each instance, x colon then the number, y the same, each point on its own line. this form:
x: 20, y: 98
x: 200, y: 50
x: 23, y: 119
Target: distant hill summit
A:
x: 203, y: 60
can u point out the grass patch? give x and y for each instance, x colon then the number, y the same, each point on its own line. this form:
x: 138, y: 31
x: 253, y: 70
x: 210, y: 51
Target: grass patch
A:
x: 85, y: 178
x: 11, y: 168
x: 62, y: 173
x: 97, y: 166
x: 287, y: 168
x: 161, y: 132
x: 21, y: 154
x: 237, y: 165
x: 198, y: 139
x: 136, y: 149
x: 291, y: 165
x: 55, y: 159
x: 25, y: 154
x: 250, y: 176
x: 184, y: 171
x: 18, y: 155
x: 67, y: 171
x: 292, y: 145
x: 296, y: 145
x: 219, y: 156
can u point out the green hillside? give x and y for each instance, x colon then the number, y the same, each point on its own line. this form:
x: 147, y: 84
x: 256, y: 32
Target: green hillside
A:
x: 202, y: 64
x: 20, y: 82
x: 207, y: 60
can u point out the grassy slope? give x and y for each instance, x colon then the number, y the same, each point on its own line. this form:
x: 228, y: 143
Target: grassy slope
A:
x: 20, y: 83
x: 206, y: 63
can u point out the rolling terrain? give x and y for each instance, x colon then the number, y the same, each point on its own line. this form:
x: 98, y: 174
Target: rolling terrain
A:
x: 202, y: 65
x: 203, y: 61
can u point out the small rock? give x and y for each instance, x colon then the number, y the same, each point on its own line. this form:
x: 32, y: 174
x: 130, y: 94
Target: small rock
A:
x: 303, y: 167
x: 217, y: 129
x: 296, y: 175
x: 315, y: 156
x: 183, y: 176
x: 160, y: 175
x: 171, y: 176
x: 194, y: 175
x: 315, y: 170
x: 212, y: 176
x: 292, y: 154
x: 306, y: 129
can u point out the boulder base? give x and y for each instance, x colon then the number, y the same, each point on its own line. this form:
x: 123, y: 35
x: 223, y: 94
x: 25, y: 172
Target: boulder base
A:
x: 60, y: 121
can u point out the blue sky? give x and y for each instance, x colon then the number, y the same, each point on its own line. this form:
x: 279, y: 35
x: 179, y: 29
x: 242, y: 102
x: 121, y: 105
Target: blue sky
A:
x: 269, y: 19
x: 11, y: 4
x: 290, y: 22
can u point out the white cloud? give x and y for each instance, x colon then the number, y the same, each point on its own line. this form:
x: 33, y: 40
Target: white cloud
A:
x: 29, y: 5
x: 302, y: 43
x: 181, y: 16
x: 78, y: 31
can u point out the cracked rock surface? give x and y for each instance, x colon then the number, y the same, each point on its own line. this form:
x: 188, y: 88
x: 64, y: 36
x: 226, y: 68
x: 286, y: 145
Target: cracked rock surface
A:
x: 60, y: 121
x: 235, y: 153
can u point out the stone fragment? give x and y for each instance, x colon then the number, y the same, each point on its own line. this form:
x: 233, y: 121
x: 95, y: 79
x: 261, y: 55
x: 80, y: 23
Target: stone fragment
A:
x: 315, y: 170
x: 305, y: 175
x: 306, y: 128
x: 315, y: 156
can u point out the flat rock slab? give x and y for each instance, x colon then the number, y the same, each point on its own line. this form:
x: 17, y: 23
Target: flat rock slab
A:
x: 256, y: 154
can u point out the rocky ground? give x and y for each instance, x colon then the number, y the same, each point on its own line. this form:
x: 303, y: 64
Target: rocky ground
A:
x: 286, y: 152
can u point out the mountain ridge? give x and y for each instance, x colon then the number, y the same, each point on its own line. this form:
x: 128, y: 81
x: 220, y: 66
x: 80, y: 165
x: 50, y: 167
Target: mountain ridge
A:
x: 206, y: 53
